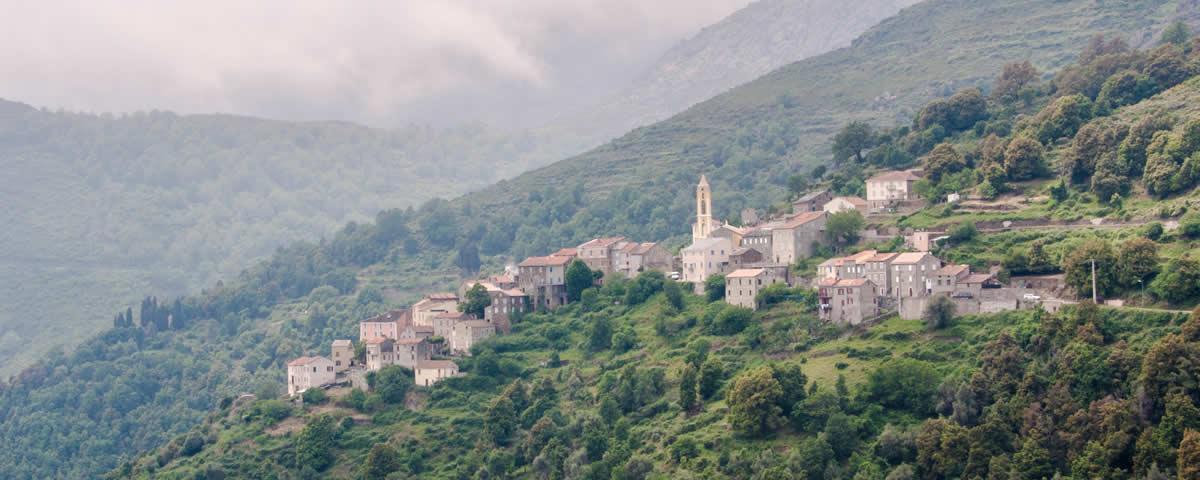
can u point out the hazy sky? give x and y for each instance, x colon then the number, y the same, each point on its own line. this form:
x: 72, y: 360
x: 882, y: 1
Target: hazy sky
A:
x: 385, y: 62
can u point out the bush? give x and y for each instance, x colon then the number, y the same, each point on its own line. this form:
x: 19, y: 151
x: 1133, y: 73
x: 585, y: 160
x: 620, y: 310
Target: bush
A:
x: 714, y: 288
x: 732, y: 320
x: 314, y: 396
x: 904, y: 384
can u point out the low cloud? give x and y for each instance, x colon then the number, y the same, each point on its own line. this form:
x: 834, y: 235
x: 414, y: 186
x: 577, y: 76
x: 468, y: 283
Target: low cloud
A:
x: 436, y: 61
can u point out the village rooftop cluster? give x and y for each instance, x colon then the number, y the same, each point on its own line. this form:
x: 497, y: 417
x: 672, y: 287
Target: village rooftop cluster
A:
x: 426, y: 336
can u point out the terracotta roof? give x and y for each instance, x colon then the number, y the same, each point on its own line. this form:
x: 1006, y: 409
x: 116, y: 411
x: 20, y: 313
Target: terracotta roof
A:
x: 375, y: 340
x: 306, y: 361
x: 298, y: 362
x: 745, y: 273
x: 910, y: 258
x: 410, y: 341
x: 707, y: 243
x: 863, y: 255
x: 882, y: 257
x: 435, y: 364
x: 954, y: 270
x: 502, y: 278
x: 856, y: 201
x: 343, y: 343
x: 734, y: 229
x: 852, y: 282
x: 450, y: 315
x: 802, y: 219
x: 548, y: 261
x: 643, y: 248
x: 565, y: 252
x: 489, y: 286
x: 976, y: 278
x: 808, y: 197
x: 893, y: 175
x: 827, y: 282
x: 601, y: 242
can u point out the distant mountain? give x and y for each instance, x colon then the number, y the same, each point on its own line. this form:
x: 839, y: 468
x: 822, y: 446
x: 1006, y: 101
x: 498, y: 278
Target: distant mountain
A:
x: 760, y: 37
x: 100, y: 209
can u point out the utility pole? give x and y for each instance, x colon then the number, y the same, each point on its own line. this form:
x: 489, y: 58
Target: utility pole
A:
x: 1094, y: 282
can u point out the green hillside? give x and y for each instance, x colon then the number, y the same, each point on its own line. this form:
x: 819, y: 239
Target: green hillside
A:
x: 101, y: 209
x: 134, y: 388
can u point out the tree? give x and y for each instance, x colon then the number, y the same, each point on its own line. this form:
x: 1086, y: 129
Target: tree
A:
x: 476, y: 301
x: 843, y: 227
x: 963, y: 233
x: 1077, y: 267
x: 938, y: 313
x: 1012, y: 80
x: 905, y: 384
x: 942, y: 161
x: 732, y: 320
x: 1189, y: 456
x: 500, y: 421
x: 600, y: 336
x: 1062, y: 118
x: 792, y: 381
x: 392, y: 383
x: 841, y: 435
x: 468, y: 258
x: 1179, y: 281
x: 688, y: 384
x: 711, y: 375
x: 381, y: 461
x: 314, y: 445
x: 624, y: 339
x: 1023, y: 158
x: 754, y: 403
x: 1177, y: 33
x: 674, y: 294
x: 714, y: 288
x: 852, y: 140
x: 578, y: 278
x: 1137, y: 261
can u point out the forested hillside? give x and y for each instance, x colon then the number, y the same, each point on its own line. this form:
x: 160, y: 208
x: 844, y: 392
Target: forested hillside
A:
x: 101, y: 209
x: 148, y: 381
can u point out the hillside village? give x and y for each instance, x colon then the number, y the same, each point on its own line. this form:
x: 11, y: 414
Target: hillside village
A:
x: 749, y: 259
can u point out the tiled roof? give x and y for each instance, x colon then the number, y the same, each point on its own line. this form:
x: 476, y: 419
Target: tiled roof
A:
x: 601, y: 242
x: 435, y: 364
x: 745, y: 273
x: 882, y: 257
x: 643, y: 248
x: 954, y: 270
x: 410, y: 341
x: 565, y: 252
x: 852, y: 282
x: 548, y: 261
x: 442, y: 296
x: 893, y: 176
x: 342, y: 343
x: 707, y: 243
x: 976, y: 278
x: 450, y: 315
x: 856, y: 201
x: 375, y: 340
x: 910, y: 258
x: 802, y: 219
x: 299, y: 361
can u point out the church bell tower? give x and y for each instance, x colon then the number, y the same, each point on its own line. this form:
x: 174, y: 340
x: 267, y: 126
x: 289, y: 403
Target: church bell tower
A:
x: 704, y: 221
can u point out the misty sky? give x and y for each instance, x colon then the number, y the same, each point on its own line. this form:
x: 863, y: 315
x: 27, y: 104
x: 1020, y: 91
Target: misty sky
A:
x: 507, y: 62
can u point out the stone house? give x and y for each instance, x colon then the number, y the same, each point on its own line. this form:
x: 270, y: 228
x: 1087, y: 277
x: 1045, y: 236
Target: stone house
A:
x: 417, y: 331
x: 743, y: 257
x: 811, y: 201
x: 913, y: 273
x: 505, y: 304
x: 847, y: 301
x: 467, y: 334
x: 543, y: 280
x: 381, y: 352
x: 759, y: 239
x: 742, y: 286
x: 945, y: 279
x: 734, y: 234
x: 387, y: 325
x: 889, y: 189
x: 634, y: 258
x: 852, y: 266
x: 432, y: 304
x: 704, y: 258
x: 429, y: 372
x: 443, y: 323
x: 309, y: 372
x: 878, y: 271
x: 342, y: 352
x: 794, y: 238
x: 843, y: 204
x: 599, y: 253
x: 923, y: 241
